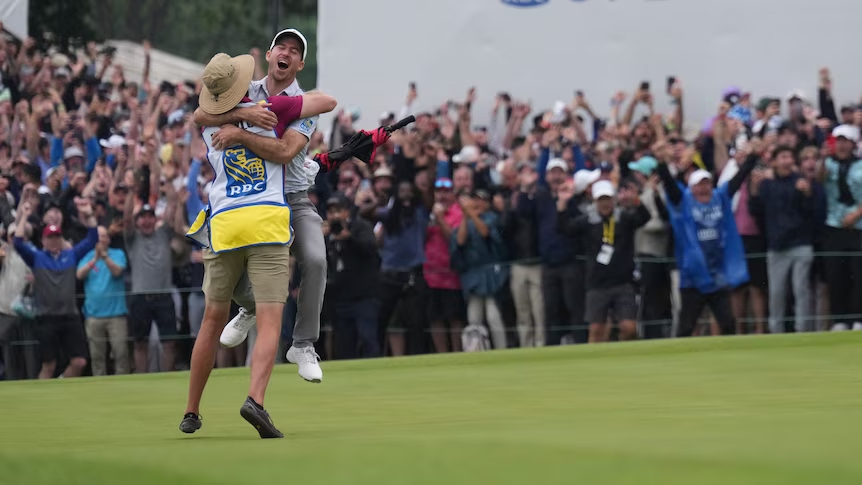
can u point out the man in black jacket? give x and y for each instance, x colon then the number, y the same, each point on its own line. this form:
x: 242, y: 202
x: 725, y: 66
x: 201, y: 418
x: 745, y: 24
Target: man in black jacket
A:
x: 788, y: 205
x: 608, y: 237
x: 526, y: 275
x: 352, y: 259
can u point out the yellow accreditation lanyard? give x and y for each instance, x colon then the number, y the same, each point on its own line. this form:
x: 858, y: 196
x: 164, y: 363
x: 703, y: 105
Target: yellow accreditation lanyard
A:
x: 608, y: 229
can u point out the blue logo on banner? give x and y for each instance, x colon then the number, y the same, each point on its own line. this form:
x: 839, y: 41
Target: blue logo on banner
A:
x: 246, y: 172
x: 525, y: 3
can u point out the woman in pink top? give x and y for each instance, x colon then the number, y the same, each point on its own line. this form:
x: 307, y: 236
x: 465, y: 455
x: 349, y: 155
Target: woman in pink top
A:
x: 755, y: 290
x: 445, y: 299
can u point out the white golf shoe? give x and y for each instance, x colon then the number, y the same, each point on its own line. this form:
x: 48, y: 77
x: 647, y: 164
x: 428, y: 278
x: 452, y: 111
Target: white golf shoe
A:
x: 236, y: 330
x: 307, y: 359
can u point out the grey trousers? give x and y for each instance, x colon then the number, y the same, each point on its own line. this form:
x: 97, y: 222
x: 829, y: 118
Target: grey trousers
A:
x: 526, y: 286
x: 100, y: 331
x: 793, y: 265
x: 309, y: 249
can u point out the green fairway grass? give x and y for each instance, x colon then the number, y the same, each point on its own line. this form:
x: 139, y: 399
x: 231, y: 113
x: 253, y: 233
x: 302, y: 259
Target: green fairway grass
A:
x: 743, y: 410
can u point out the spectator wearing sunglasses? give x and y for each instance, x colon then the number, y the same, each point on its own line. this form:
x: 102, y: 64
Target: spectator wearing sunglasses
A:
x: 445, y: 301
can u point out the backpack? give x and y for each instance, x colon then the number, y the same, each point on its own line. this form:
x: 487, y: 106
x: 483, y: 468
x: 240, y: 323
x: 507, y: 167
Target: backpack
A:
x: 475, y: 338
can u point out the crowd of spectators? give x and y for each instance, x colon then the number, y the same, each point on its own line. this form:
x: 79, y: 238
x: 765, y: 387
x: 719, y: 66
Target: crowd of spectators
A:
x: 543, y: 227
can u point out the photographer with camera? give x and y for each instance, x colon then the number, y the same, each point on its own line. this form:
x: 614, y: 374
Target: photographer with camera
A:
x: 352, y: 259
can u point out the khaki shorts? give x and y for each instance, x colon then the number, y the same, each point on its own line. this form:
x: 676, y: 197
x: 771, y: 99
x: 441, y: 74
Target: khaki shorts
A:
x: 268, y: 270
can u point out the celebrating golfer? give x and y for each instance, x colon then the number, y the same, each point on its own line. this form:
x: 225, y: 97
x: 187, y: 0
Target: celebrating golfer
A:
x: 246, y: 230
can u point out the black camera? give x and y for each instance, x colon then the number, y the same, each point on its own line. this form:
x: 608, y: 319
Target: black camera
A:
x: 336, y: 228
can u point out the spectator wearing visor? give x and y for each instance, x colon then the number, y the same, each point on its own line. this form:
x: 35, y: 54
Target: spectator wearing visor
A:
x: 652, y: 245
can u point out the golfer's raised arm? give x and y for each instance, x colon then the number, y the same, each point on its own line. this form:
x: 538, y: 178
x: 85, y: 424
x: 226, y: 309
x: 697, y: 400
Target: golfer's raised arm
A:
x: 316, y: 103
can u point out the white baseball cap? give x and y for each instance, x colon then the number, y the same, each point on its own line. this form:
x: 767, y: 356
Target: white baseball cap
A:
x: 698, y: 176
x: 847, y: 131
x: 468, y: 154
x: 583, y: 178
x: 115, y: 141
x: 603, y: 188
x: 557, y: 163
x: 292, y: 32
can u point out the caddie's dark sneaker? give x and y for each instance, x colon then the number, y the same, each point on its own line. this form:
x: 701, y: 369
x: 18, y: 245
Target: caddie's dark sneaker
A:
x: 191, y: 423
x: 259, y: 418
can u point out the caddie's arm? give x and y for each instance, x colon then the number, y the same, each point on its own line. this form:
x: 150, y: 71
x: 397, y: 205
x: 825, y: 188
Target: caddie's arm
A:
x: 258, y: 115
x: 276, y: 150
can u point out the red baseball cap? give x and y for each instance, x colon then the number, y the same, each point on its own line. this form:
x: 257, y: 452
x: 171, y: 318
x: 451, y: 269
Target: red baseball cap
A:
x: 52, y: 230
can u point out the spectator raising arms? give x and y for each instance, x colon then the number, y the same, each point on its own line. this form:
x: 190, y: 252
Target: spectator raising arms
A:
x: 148, y: 242
x: 445, y: 302
x: 607, y: 233
x: 708, y: 247
x: 402, y: 233
x: 478, y: 250
x: 789, y: 205
x: 58, y: 327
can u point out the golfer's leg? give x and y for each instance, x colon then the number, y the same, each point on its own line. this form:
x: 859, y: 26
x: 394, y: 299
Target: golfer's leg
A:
x: 268, y: 269
x: 310, y: 251
x: 221, y: 272
x: 243, y: 294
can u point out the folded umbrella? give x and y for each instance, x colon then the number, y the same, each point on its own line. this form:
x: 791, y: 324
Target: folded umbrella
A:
x: 362, y: 145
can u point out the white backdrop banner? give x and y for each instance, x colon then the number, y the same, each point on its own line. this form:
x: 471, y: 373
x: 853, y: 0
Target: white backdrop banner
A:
x: 14, y: 16
x: 544, y: 50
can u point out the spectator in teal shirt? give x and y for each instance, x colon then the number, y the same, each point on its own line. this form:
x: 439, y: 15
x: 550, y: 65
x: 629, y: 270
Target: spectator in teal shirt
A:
x: 101, y: 270
x: 843, y: 232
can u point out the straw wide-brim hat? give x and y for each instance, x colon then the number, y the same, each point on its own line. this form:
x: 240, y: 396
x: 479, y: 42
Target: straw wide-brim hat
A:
x: 225, y: 82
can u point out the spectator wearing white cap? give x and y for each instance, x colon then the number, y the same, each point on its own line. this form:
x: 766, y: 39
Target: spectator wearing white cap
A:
x: 708, y: 247
x: 607, y: 233
x: 843, y: 185
x: 562, y: 273
x: 480, y: 165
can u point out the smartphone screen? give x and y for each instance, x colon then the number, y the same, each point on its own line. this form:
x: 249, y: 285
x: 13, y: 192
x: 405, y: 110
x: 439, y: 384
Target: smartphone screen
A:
x: 645, y: 86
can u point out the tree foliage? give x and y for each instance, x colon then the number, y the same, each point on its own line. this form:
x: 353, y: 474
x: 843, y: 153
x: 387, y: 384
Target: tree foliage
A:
x: 194, y: 29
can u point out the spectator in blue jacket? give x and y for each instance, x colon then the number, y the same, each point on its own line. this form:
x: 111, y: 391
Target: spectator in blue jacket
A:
x: 708, y: 247
x: 788, y: 205
x: 57, y: 323
x: 478, y: 252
